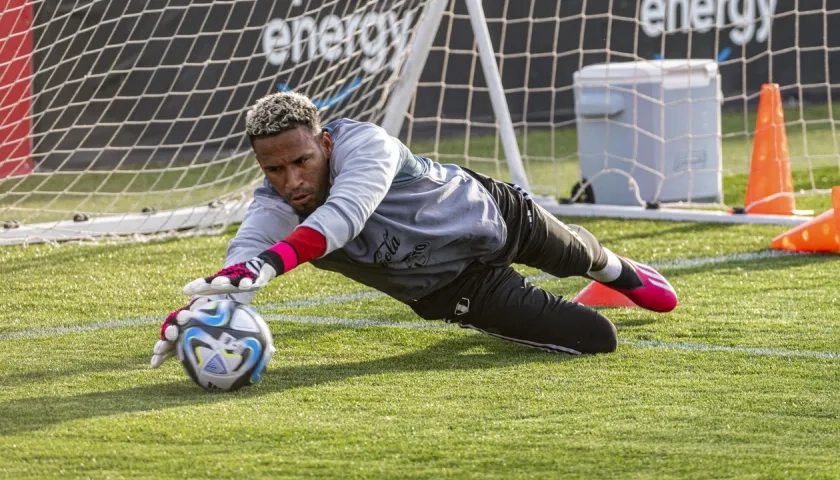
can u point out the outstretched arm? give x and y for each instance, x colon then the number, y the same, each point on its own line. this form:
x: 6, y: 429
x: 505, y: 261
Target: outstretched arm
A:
x: 270, y: 227
x: 365, y: 162
x: 267, y: 221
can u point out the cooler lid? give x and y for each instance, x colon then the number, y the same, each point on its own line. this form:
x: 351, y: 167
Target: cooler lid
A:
x: 671, y: 73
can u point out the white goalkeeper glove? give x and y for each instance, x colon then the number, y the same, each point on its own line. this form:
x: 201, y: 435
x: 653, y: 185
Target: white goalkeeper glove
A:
x: 240, y: 277
x: 165, y: 347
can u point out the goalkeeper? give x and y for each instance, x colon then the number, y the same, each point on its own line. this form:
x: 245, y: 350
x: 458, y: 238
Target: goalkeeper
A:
x: 349, y: 198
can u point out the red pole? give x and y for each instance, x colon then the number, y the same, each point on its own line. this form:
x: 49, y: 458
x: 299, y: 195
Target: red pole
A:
x: 15, y: 87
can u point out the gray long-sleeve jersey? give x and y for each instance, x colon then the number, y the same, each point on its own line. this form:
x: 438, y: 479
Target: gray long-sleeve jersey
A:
x: 399, y: 223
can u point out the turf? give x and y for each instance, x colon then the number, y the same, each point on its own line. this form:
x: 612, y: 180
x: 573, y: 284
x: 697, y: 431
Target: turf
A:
x: 740, y: 381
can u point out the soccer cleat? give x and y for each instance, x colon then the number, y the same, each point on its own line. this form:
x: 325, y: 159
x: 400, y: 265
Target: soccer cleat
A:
x: 654, y: 293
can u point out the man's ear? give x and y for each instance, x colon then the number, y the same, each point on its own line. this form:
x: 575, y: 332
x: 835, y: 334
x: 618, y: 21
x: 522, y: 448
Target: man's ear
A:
x: 326, y: 143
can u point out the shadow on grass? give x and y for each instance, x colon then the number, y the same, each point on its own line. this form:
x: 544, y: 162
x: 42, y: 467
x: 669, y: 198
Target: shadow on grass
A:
x: 37, y: 413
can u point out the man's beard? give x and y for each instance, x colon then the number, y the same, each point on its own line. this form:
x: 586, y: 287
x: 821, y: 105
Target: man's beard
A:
x: 317, y: 200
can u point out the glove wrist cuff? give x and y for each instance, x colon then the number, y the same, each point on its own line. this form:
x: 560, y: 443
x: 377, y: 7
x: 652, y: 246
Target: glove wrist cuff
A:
x: 282, y: 256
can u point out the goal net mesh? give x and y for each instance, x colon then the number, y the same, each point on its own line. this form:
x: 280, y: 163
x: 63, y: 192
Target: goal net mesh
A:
x: 128, y: 117
x: 541, y: 45
x: 131, y: 113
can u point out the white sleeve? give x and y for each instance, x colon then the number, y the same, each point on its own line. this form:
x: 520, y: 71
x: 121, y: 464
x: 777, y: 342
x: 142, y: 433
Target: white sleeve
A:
x: 269, y: 219
x: 365, y: 160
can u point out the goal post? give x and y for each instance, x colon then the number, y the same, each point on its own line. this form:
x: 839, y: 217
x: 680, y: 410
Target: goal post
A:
x: 134, y: 111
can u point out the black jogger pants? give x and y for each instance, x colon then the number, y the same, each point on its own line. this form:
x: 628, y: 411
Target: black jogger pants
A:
x: 495, y: 299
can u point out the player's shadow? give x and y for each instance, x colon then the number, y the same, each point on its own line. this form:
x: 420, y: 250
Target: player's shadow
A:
x: 469, y: 352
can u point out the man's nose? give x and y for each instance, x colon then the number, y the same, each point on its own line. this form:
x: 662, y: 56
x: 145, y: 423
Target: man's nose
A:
x: 294, y: 181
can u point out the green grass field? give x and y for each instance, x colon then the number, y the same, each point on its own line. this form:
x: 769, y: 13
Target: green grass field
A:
x: 740, y: 381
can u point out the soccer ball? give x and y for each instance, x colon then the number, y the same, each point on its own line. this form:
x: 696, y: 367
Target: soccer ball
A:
x: 225, y: 345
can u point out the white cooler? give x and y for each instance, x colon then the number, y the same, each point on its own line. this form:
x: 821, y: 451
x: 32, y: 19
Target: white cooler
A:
x: 655, y: 122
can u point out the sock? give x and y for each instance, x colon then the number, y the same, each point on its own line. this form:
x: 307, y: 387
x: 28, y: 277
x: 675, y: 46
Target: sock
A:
x: 611, y: 271
x: 617, y: 274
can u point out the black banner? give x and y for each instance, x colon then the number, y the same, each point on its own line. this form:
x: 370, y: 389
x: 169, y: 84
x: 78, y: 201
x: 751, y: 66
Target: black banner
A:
x: 152, y: 82
x: 163, y: 81
x: 754, y: 42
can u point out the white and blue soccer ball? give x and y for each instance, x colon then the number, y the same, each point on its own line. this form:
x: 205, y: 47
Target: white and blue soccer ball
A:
x: 225, y: 345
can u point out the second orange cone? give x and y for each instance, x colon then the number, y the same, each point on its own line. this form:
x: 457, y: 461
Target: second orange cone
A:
x: 822, y: 234
x: 770, y: 184
x: 598, y: 295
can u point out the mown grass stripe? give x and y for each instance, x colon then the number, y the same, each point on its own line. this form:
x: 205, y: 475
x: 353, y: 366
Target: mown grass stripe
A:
x: 706, y: 347
x: 357, y: 322
x: 362, y: 323
x: 36, y: 332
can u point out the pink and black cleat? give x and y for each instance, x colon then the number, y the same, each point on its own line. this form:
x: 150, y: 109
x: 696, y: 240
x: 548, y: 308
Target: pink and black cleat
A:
x: 654, y: 293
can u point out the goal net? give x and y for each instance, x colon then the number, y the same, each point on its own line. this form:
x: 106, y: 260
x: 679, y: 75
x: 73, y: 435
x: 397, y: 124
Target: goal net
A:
x: 126, y: 119
x: 641, y: 78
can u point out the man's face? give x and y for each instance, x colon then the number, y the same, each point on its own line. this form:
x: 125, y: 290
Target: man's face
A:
x: 296, y: 163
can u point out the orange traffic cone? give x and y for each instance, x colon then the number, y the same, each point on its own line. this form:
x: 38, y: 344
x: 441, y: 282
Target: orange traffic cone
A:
x: 770, y: 184
x: 598, y: 295
x: 817, y: 235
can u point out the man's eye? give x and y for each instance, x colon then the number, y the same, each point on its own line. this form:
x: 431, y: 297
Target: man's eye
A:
x: 301, y: 160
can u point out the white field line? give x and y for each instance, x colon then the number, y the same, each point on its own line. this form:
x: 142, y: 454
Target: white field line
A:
x: 318, y: 301
x: 37, y: 332
x: 679, y: 263
x: 363, y: 295
x: 685, y: 263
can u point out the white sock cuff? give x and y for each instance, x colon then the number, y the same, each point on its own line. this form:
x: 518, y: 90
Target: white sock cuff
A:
x: 611, y: 271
